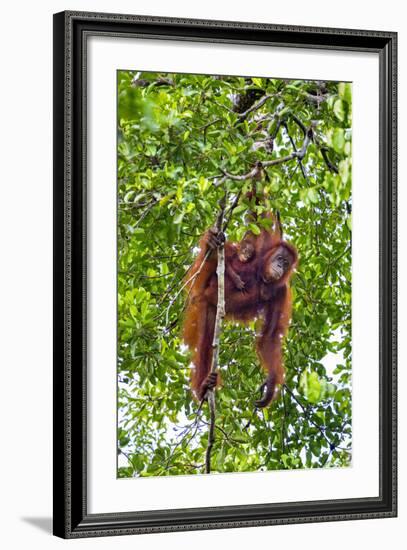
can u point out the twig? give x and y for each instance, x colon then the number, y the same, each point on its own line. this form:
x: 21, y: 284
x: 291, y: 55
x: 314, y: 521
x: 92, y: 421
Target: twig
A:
x: 171, y: 287
x: 300, y: 124
x: 265, y: 163
x: 146, y: 211
x: 225, y: 225
x: 223, y: 106
x: 331, y: 166
x: 194, y: 426
x: 324, y: 152
x: 227, y: 436
x: 205, y: 126
x: 255, y: 106
x: 129, y: 460
x: 191, y: 279
x: 332, y: 446
x: 300, y: 164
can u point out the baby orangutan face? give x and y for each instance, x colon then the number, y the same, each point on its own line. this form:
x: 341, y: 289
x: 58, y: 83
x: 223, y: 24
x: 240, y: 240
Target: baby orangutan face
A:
x: 246, y: 251
x: 281, y: 261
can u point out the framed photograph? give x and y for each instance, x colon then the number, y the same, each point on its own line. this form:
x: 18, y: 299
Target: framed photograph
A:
x: 224, y: 274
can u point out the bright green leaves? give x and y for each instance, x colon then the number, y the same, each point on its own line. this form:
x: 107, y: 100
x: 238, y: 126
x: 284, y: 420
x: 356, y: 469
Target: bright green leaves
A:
x: 311, y: 386
x: 135, y: 308
x: 341, y: 103
x: 259, y: 82
x: 175, y: 137
x: 337, y: 140
x: 310, y: 196
x: 203, y: 184
x: 254, y: 228
x: 315, y: 388
x: 339, y: 109
x: 339, y: 186
x: 345, y: 92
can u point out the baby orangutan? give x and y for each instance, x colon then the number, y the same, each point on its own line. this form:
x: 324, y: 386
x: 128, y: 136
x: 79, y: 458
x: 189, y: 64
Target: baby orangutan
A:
x: 240, y: 267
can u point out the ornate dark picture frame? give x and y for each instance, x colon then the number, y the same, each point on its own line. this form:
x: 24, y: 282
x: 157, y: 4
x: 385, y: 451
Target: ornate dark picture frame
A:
x: 71, y: 518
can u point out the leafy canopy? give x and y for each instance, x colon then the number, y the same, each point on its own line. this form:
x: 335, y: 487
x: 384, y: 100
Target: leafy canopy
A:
x: 177, y: 135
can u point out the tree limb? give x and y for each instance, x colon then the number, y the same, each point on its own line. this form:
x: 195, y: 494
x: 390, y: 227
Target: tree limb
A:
x: 220, y: 314
x: 211, y: 432
x: 300, y: 164
x: 300, y: 154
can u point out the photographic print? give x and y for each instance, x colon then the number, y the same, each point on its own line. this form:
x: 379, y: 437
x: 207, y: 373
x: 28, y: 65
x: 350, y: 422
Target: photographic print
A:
x: 234, y: 202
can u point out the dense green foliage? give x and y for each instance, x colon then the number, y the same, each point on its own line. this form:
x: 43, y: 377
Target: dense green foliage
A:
x: 176, y: 135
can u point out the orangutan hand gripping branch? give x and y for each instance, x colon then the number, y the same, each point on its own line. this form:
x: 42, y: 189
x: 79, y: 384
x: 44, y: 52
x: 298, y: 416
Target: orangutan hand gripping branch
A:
x: 257, y: 274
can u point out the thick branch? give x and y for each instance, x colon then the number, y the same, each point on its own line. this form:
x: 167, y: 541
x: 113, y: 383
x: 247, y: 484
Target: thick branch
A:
x: 211, y: 432
x: 220, y: 310
x: 220, y: 314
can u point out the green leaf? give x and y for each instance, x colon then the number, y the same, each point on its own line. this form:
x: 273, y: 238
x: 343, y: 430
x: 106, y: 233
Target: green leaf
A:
x: 178, y: 219
x: 313, y: 195
x: 257, y: 82
x: 339, y: 109
x: 338, y: 140
x: 345, y: 91
x: 254, y: 228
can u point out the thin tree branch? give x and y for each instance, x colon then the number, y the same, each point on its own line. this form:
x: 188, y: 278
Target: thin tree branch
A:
x: 300, y: 164
x: 227, y: 436
x: 300, y: 124
x: 331, y: 166
x: 152, y: 203
x: 332, y: 446
x: 194, y: 426
x: 255, y: 106
x: 206, y: 126
x: 192, y: 278
x: 300, y: 154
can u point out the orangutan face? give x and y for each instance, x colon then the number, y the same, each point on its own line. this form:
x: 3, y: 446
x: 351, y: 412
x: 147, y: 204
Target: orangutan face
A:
x: 280, y: 262
x: 246, y: 251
